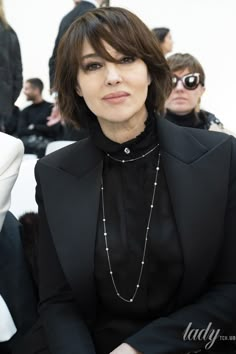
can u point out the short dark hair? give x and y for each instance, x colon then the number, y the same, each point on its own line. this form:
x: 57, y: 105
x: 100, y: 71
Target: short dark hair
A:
x: 36, y: 83
x: 179, y: 61
x: 161, y: 33
x: 127, y: 34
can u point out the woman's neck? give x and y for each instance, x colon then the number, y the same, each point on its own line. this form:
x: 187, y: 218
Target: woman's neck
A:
x: 189, y: 119
x: 121, y: 132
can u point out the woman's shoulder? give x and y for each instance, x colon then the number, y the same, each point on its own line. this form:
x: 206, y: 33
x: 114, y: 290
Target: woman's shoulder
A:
x: 11, y: 148
x: 74, y: 159
x: 75, y: 153
x: 216, y: 125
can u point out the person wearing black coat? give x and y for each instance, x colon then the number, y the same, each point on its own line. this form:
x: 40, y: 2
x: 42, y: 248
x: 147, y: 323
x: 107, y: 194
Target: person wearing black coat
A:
x: 137, y: 222
x: 188, y: 86
x: 10, y: 70
x: 16, y: 284
x: 80, y: 8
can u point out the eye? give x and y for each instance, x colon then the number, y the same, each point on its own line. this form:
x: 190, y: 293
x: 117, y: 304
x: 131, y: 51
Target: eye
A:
x: 127, y: 60
x: 92, y: 66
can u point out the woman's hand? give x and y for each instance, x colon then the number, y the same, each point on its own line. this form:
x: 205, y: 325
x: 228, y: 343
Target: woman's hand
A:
x: 125, y: 349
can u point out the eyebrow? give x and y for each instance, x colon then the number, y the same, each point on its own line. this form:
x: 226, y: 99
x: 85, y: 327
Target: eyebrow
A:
x: 91, y: 55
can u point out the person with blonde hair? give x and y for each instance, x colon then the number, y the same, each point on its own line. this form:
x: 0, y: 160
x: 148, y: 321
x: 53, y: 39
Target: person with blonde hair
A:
x: 10, y: 70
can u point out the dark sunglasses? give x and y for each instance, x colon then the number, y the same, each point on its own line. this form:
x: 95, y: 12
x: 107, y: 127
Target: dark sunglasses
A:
x: 189, y: 81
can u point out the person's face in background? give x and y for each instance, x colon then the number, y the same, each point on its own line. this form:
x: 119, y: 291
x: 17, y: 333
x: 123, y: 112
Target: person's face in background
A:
x: 181, y: 100
x: 167, y: 45
x: 114, y: 92
x: 30, y: 92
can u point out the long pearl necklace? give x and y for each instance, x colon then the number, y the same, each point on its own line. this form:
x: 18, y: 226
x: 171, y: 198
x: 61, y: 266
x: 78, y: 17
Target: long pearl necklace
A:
x: 131, y: 299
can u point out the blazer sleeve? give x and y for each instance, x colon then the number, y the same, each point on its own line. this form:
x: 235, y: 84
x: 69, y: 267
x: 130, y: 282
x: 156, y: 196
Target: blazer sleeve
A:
x: 65, y: 330
x: 12, y: 151
x: 216, y: 307
x: 16, y: 63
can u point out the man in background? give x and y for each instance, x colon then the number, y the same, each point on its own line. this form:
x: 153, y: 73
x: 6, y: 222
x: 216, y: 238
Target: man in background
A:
x: 34, y: 128
x: 79, y: 9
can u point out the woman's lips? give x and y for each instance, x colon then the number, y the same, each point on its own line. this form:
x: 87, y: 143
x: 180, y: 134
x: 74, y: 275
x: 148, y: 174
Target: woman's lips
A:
x: 180, y: 99
x: 116, y: 97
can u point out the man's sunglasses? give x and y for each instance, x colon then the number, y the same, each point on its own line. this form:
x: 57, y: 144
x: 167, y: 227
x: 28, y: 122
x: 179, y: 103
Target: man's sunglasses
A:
x: 189, y: 81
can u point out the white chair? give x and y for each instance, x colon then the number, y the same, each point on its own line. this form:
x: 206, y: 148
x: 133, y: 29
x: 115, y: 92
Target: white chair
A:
x: 23, y: 192
x: 29, y: 157
x: 56, y: 145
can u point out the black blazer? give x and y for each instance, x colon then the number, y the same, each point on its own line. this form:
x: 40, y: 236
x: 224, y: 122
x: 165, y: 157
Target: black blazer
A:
x: 200, y: 169
x: 16, y: 285
x: 67, y: 20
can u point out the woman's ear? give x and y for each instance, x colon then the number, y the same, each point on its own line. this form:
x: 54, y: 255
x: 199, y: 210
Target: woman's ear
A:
x: 203, y: 89
x: 78, y: 90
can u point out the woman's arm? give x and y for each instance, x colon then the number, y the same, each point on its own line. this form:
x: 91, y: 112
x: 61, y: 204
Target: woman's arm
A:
x: 65, y: 330
x: 11, y: 153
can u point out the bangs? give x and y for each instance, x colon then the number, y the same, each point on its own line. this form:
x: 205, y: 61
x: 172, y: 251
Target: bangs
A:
x: 116, y: 30
x: 127, y: 35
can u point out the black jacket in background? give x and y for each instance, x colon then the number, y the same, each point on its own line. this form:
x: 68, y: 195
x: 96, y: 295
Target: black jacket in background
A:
x: 10, y: 70
x: 16, y: 285
x: 67, y: 20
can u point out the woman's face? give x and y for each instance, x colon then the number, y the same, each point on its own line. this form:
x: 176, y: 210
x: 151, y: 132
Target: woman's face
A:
x: 167, y: 45
x: 181, y: 100
x: 114, y: 92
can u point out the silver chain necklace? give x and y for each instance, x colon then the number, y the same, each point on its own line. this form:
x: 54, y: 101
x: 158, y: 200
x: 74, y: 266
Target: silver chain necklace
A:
x: 135, y: 159
x: 131, y: 299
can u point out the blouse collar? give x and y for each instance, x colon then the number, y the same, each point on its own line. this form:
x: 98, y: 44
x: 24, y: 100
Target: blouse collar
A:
x: 129, y: 149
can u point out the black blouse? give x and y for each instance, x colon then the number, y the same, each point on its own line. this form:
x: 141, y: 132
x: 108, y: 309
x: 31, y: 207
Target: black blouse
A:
x: 128, y: 190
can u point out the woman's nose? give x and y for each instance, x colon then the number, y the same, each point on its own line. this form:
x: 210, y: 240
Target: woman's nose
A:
x: 179, y: 85
x: 113, y: 76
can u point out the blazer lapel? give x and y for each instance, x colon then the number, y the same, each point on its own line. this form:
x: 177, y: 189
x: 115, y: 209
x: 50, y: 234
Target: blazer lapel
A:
x: 71, y: 196
x: 72, y: 192
x: 197, y: 187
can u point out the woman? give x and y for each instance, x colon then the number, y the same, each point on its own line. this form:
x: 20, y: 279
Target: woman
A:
x: 164, y: 37
x: 188, y: 86
x: 11, y: 153
x: 10, y: 71
x: 129, y: 256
